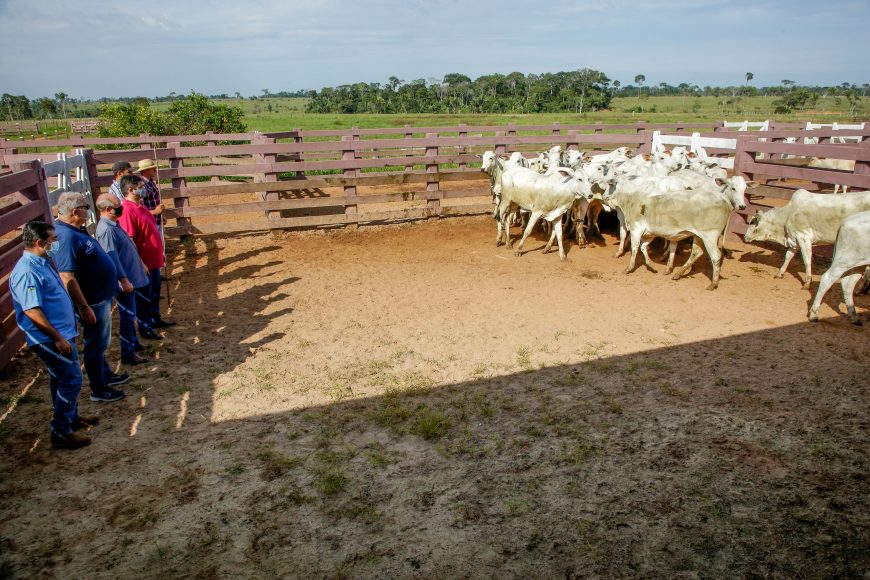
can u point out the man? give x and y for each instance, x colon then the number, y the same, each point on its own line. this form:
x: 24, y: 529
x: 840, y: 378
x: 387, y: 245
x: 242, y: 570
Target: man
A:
x: 132, y: 274
x: 148, y: 170
x: 92, y: 282
x: 139, y: 224
x: 44, y: 312
x: 119, y: 170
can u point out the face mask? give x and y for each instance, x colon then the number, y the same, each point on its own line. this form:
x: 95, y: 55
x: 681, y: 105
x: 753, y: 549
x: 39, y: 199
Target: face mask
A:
x: 52, y: 250
x: 141, y: 192
x: 118, y: 211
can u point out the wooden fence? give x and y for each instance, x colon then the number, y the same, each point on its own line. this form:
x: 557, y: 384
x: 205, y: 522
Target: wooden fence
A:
x: 23, y: 197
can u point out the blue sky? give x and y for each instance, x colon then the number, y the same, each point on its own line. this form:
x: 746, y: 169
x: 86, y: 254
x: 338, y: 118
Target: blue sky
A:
x: 92, y: 48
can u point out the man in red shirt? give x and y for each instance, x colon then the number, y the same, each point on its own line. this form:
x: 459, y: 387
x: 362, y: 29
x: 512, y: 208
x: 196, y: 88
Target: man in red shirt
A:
x: 139, y: 224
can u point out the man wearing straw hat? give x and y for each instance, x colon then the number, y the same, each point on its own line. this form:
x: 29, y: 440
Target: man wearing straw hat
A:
x: 148, y: 171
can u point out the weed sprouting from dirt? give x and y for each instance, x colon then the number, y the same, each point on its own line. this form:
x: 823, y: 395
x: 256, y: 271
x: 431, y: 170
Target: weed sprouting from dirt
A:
x: 524, y: 359
x: 431, y: 424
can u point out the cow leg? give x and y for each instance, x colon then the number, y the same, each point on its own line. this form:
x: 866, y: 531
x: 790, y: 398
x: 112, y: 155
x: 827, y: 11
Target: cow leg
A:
x: 533, y: 219
x: 592, y: 212
x: 672, y: 253
x: 693, y: 257
x: 806, y: 247
x: 623, y: 233
x: 557, y: 224
x: 829, y: 278
x: 711, y: 245
x: 848, y: 283
x: 644, y: 249
x: 864, y: 286
x: 635, y: 244
x: 789, y: 254
x: 557, y: 227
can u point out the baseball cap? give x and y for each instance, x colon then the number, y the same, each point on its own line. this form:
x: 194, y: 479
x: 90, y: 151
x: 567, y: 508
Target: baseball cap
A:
x: 120, y: 166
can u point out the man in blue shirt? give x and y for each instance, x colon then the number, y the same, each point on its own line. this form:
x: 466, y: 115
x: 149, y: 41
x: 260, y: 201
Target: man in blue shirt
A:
x: 44, y: 312
x: 132, y: 273
x: 119, y: 170
x: 92, y: 282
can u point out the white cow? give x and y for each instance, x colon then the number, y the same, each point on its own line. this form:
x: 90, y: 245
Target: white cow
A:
x: 807, y: 219
x: 674, y: 215
x: 851, y: 253
x: 548, y: 196
x: 839, y: 164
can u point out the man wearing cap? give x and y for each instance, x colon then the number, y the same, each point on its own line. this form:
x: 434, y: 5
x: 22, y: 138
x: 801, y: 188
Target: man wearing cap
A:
x: 132, y: 274
x: 92, y: 282
x: 139, y: 224
x: 119, y: 170
x: 44, y: 312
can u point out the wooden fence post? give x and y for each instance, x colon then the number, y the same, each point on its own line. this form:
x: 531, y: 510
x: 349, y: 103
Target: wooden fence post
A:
x: 463, y: 150
x: 210, y: 142
x: 298, y: 139
x: 863, y: 167
x: 181, y: 201
x: 556, y: 129
x: 143, y: 144
x: 573, y: 140
x: 434, y: 205
x: 92, y: 173
x: 351, y: 212
x: 408, y: 135
x: 38, y: 192
x: 267, y: 176
x: 646, y: 146
x: 743, y: 159
x: 499, y: 148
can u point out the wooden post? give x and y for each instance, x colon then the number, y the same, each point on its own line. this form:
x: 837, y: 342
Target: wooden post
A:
x: 351, y: 212
x: 573, y: 140
x: 267, y: 176
x: 144, y: 144
x: 92, y: 173
x: 433, y: 205
x: 863, y: 167
x: 499, y: 148
x: 409, y: 135
x: 298, y: 139
x: 556, y: 129
x: 38, y: 192
x: 743, y: 159
x: 462, y: 150
x: 181, y: 201
x: 212, y: 159
x: 646, y: 147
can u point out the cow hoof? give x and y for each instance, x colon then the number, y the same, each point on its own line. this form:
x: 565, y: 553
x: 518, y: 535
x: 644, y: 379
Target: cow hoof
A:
x: 857, y: 322
x: 712, y: 287
x: 563, y: 258
x: 777, y: 275
x: 676, y: 276
x: 518, y: 253
x: 669, y: 271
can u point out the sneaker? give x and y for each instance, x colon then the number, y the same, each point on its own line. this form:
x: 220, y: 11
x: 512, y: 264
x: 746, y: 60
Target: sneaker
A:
x: 107, y: 396
x: 71, y: 441
x: 149, y: 334
x: 134, y: 359
x: 116, y: 379
x: 138, y: 348
x: 160, y: 323
x: 83, y: 422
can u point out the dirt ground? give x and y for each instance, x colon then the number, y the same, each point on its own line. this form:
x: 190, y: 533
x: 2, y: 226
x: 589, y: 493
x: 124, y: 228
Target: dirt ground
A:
x: 412, y: 401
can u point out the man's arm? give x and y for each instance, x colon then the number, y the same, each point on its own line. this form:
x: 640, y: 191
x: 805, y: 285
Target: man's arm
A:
x: 75, y: 292
x: 37, y: 316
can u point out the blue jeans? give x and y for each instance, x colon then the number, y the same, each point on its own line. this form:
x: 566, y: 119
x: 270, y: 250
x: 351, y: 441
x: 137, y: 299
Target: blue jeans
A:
x: 127, y: 317
x: 64, y: 382
x: 96, y: 341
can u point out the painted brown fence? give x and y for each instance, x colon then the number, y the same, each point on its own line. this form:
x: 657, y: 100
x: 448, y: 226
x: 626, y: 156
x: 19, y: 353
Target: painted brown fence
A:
x: 23, y: 197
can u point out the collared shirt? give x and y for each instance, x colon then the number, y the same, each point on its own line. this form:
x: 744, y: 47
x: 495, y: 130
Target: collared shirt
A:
x: 80, y: 254
x: 115, y: 189
x: 118, y: 245
x: 34, y: 284
x: 139, y: 224
x: 152, y: 194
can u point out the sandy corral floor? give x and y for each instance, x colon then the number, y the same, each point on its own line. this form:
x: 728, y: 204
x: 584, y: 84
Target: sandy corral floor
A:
x: 411, y: 401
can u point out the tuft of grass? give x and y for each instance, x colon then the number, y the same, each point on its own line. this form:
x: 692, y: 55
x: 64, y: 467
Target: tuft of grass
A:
x: 613, y: 406
x: 329, y: 481
x: 431, y: 424
x: 236, y: 469
x: 276, y: 464
x: 524, y: 359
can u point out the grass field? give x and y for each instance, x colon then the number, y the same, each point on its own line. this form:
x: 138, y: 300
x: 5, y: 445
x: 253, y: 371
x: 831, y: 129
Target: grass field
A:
x: 281, y: 114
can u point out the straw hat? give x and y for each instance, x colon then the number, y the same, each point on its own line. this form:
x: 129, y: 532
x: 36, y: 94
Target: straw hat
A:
x: 146, y: 164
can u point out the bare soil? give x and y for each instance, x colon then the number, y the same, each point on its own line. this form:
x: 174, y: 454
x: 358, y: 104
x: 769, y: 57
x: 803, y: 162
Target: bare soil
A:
x: 412, y: 401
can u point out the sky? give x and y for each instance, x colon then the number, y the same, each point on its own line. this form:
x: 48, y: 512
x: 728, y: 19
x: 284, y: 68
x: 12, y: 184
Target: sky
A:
x: 92, y: 48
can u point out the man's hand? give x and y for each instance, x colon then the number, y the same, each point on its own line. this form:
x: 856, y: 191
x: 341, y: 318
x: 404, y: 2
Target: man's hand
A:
x: 157, y: 210
x: 126, y: 287
x: 87, y: 315
x: 63, y: 346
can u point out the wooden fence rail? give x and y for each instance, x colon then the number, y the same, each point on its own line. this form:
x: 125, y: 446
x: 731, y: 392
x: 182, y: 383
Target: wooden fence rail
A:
x: 23, y: 197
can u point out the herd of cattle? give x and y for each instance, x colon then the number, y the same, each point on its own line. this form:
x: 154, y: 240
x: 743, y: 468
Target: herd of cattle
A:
x: 675, y: 196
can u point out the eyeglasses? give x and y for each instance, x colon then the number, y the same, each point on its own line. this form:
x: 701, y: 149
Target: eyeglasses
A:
x: 83, y: 207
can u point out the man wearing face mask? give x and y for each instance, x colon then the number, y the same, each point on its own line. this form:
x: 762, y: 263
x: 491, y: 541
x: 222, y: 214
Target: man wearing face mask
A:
x: 92, y: 282
x: 132, y: 273
x: 139, y: 224
x: 44, y: 312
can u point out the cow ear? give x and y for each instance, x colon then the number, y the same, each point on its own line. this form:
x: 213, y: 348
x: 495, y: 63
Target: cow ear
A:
x: 720, y: 181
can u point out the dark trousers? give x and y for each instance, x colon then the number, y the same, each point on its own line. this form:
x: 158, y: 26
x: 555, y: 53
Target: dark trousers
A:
x: 154, y: 286
x: 96, y: 340
x: 127, y: 318
x: 64, y: 382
